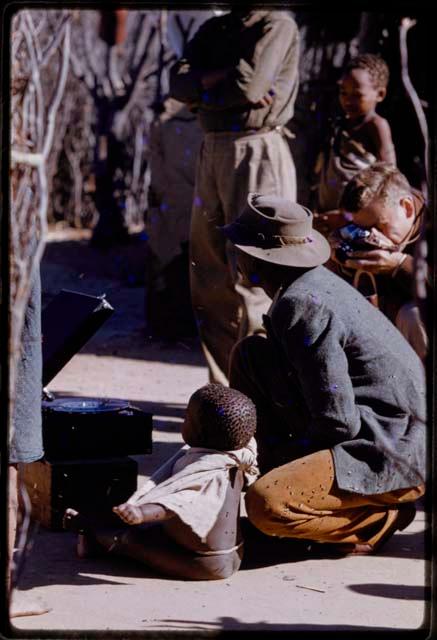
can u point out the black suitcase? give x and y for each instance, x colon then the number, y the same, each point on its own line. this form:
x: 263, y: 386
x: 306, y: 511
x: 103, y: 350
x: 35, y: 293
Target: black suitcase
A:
x: 76, y: 427
x: 92, y: 487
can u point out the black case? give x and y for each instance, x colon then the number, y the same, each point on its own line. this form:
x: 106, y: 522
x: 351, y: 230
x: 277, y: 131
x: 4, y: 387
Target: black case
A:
x: 76, y: 427
x: 92, y: 487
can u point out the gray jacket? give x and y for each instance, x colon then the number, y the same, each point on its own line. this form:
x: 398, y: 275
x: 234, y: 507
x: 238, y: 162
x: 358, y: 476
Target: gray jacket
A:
x: 361, y: 385
x: 261, y: 52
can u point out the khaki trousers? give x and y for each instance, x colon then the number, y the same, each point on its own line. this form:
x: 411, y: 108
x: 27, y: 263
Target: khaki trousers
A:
x: 229, y: 166
x: 300, y: 499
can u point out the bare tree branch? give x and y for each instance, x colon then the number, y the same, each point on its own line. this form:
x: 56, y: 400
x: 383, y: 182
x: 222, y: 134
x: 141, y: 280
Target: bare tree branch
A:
x: 32, y: 159
x: 405, y: 26
x: 27, y: 25
x: 53, y: 46
x: 32, y: 133
x: 54, y: 105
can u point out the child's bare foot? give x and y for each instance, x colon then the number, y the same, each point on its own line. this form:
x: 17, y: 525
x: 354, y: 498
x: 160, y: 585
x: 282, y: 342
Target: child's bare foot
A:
x: 129, y: 513
x: 74, y: 521
x: 87, y: 545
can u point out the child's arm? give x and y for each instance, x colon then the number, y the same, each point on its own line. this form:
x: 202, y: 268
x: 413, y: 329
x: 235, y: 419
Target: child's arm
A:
x: 131, y: 514
x: 380, y: 134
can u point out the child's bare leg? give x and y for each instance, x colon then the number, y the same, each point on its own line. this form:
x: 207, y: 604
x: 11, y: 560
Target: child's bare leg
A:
x: 93, y: 539
x: 153, y: 548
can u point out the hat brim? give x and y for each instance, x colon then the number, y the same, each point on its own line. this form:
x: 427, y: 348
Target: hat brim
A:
x: 309, y: 254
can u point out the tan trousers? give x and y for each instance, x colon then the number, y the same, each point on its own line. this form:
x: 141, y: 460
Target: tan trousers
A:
x: 229, y: 166
x: 300, y: 499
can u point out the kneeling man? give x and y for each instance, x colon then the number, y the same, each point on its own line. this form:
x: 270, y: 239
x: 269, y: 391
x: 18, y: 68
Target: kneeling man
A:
x: 340, y: 394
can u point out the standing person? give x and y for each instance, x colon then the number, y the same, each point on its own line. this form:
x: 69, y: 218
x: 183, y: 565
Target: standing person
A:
x: 174, y: 143
x: 240, y: 72
x: 359, y: 138
x: 340, y: 394
x: 26, y: 442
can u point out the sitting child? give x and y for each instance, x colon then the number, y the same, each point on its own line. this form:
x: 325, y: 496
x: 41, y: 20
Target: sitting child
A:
x: 195, y: 495
x: 359, y: 138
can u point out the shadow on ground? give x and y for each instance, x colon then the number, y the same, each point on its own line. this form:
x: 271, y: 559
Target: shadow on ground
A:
x: 262, y: 551
x: 124, y: 262
x: 399, y: 591
x: 256, y: 629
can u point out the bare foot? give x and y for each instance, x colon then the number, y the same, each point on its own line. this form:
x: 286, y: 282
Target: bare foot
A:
x: 87, y: 545
x: 25, y: 604
x: 129, y: 513
x: 74, y: 521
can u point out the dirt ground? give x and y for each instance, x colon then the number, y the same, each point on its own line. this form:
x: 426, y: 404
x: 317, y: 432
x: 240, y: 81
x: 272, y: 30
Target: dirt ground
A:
x: 280, y: 587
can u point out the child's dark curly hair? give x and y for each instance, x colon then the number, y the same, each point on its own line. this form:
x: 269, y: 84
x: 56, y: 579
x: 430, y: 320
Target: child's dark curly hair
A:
x: 375, y: 66
x: 227, y: 417
x: 380, y: 181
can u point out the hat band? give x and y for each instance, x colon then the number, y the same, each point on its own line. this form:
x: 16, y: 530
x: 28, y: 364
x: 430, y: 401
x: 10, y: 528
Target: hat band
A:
x: 287, y: 240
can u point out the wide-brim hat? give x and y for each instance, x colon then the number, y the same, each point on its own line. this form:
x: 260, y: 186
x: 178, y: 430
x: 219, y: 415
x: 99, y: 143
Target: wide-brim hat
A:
x: 277, y: 230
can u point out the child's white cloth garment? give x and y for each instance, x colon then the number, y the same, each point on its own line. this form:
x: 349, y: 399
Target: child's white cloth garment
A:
x: 196, y: 490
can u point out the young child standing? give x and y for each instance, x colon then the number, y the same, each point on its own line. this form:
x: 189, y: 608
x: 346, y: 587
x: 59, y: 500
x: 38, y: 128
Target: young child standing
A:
x: 184, y: 522
x: 360, y: 137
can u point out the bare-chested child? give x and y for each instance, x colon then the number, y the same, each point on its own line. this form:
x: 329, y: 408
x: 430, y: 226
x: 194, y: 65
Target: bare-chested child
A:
x: 184, y: 522
x: 359, y: 138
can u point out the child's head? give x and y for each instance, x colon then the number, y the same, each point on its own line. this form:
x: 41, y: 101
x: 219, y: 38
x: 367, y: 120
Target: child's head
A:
x: 379, y: 196
x: 363, y: 84
x: 219, y: 418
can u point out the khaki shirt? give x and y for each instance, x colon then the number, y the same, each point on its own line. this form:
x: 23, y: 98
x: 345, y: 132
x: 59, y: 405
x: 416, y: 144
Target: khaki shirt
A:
x: 261, y: 51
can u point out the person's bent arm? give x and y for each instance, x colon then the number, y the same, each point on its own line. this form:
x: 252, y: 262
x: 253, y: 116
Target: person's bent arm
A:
x: 185, y: 76
x: 250, y: 83
x: 246, y: 83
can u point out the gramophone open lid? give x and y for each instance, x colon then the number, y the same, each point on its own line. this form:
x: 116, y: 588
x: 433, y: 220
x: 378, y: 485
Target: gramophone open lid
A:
x: 67, y: 323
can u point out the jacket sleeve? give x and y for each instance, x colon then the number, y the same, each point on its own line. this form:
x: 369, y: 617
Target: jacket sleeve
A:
x: 185, y: 75
x: 314, y: 347
x: 250, y: 80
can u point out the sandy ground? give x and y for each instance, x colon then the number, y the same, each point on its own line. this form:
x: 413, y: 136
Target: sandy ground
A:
x: 279, y: 587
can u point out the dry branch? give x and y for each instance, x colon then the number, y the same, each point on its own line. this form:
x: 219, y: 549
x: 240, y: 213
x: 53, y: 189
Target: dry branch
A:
x: 39, y: 70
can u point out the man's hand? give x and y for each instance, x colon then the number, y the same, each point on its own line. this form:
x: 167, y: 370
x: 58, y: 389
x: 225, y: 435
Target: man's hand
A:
x: 376, y: 261
x: 380, y: 260
x: 265, y: 100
